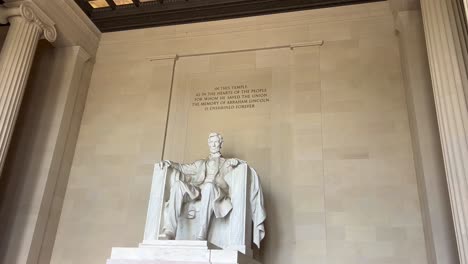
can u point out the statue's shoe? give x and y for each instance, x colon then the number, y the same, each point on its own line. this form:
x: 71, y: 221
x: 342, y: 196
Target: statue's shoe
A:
x: 167, y: 235
x: 201, y: 238
x: 203, y: 234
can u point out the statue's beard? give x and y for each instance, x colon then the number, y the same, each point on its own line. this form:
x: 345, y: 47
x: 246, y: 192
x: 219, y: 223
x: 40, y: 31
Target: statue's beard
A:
x: 215, y: 150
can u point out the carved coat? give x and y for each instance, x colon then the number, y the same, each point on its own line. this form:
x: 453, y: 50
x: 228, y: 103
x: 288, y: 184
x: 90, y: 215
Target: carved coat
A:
x: 194, y: 175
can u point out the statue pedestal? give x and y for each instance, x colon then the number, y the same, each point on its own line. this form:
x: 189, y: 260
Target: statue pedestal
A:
x: 177, y: 252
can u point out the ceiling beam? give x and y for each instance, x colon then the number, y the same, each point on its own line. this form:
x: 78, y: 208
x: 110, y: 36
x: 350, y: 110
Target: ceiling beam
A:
x: 112, y: 4
x: 136, y: 3
x: 84, y: 5
x: 183, y: 11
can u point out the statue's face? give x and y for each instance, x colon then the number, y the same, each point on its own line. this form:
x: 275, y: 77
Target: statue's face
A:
x: 214, y: 144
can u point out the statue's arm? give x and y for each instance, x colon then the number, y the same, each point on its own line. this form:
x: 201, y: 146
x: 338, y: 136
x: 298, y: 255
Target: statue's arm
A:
x: 188, y: 169
x: 231, y: 164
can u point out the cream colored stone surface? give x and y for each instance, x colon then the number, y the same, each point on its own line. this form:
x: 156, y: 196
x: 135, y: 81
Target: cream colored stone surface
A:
x: 178, y: 251
x: 36, y: 169
x: 73, y: 26
x: 332, y: 146
x: 44, y: 137
x: 28, y: 26
x: 432, y: 181
x: 445, y: 40
x: 118, y: 143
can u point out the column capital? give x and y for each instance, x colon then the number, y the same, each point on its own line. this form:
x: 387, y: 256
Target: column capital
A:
x: 31, y: 13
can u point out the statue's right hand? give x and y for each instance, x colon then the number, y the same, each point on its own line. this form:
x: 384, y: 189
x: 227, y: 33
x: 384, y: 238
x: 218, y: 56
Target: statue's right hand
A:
x: 164, y: 164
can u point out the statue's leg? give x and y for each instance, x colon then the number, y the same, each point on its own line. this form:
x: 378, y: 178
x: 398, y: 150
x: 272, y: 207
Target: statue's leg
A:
x: 174, y: 207
x: 208, y: 195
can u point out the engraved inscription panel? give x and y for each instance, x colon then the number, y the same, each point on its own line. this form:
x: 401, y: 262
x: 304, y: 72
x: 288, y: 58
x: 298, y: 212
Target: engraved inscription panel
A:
x: 228, y: 91
x: 226, y: 97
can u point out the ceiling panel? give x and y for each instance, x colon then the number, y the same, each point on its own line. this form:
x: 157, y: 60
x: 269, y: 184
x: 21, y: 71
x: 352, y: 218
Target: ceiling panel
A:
x: 115, y: 15
x: 98, y: 3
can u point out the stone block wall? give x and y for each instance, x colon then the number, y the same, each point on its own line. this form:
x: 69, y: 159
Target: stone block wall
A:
x: 332, y: 145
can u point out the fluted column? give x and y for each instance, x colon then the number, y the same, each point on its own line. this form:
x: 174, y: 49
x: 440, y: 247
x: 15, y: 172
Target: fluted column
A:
x: 448, y: 72
x: 27, y: 25
x: 465, y: 6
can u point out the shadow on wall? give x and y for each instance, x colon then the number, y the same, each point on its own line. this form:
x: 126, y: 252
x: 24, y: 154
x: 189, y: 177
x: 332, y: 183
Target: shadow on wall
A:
x: 21, y: 179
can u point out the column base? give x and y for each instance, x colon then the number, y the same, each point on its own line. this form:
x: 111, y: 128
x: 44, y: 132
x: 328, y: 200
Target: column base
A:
x: 177, y: 252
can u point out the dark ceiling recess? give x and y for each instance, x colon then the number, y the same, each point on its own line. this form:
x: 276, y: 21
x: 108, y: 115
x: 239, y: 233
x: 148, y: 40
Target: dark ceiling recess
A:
x: 115, y: 15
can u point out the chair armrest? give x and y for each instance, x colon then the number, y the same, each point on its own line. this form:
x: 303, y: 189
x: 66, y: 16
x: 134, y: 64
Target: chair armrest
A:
x: 240, y: 220
x: 154, y: 216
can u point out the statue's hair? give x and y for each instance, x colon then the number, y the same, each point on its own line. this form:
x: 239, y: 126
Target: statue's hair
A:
x: 214, y: 134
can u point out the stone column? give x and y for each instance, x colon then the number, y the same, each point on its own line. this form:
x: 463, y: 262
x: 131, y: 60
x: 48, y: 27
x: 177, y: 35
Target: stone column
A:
x: 448, y: 72
x: 465, y: 6
x: 27, y: 25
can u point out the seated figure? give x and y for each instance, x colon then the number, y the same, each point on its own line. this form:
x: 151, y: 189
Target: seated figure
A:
x: 227, y: 189
x: 202, y: 180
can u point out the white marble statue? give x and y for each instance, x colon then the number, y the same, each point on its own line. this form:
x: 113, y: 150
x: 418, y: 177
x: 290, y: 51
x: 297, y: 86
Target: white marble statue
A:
x: 207, y: 182
x: 209, y: 211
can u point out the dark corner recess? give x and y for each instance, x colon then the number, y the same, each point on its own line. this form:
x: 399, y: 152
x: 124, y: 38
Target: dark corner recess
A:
x: 142, y: 14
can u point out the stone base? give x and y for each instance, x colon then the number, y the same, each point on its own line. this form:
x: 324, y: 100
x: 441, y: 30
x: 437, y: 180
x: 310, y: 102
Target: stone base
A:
x: 177, y: 252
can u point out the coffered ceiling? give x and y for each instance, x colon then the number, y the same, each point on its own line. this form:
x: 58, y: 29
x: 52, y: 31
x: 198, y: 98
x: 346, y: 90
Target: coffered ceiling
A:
x: 115, y: 15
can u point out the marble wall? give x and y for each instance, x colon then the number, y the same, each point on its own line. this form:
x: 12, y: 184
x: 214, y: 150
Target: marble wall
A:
x: 332, y: 145
x: 430, y: 172
x: 36, y: 170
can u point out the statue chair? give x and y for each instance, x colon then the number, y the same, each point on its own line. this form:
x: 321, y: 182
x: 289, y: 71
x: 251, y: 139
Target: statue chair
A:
x: 234, y: 231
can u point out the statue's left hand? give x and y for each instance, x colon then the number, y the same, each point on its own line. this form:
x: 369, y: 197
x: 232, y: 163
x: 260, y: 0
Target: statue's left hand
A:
x: 233, y: 162
x: 165, y: 163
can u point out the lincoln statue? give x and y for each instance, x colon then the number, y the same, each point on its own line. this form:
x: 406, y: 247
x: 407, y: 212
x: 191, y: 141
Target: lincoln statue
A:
x: 202, y: 180
x: 217, y: 201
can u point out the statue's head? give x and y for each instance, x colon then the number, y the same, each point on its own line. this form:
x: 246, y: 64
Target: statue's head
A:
x: 215, y: 142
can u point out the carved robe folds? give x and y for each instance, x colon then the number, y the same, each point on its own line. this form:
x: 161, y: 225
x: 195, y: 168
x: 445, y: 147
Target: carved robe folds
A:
x: 237, y: 204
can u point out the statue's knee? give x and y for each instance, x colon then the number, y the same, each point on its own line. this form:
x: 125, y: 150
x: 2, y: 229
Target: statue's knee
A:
x: 208, y: 187
x: 177, y: 186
